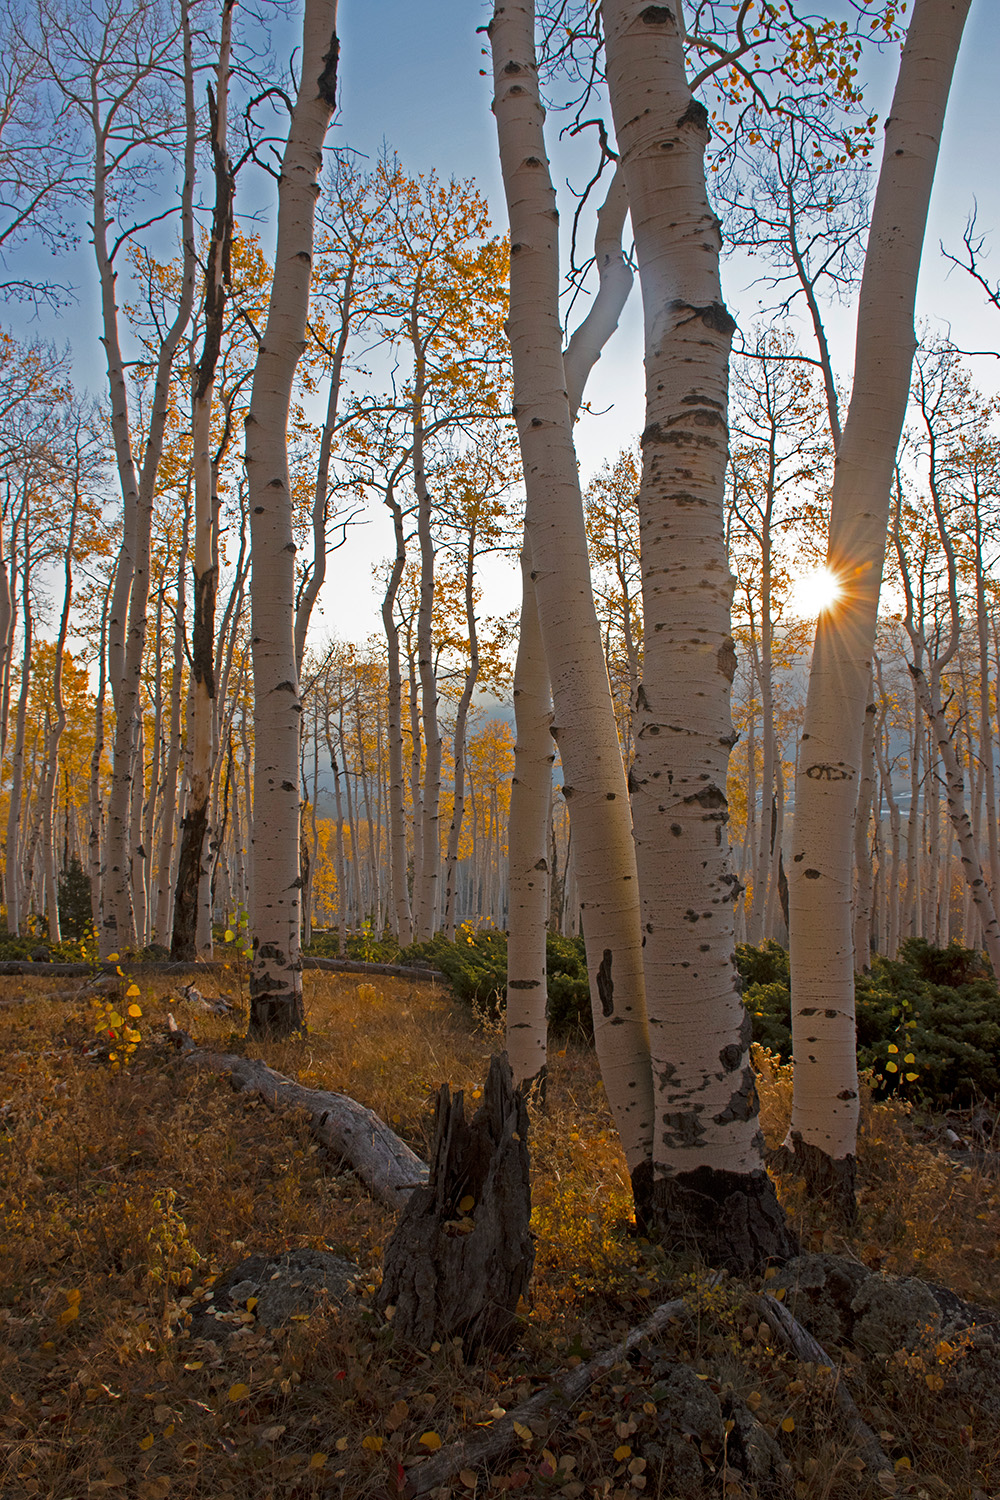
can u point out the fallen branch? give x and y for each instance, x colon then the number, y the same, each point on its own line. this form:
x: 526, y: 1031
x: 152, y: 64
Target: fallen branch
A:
x: 383, y: 1162
x: 42, y: 968
x: 805, y: 1347
x: 493, y: 1442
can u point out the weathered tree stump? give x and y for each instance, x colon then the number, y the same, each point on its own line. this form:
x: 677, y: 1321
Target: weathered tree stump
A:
x: 462, y: 1253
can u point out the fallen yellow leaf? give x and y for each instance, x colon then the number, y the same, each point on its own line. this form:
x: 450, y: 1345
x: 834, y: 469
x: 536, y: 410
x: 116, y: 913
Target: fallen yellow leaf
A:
x: 788, y: 1424
x: 317, y: 1461
x: 371, y: 1442
x: 237, y: 1392
x: 622, y: 1453
x: 430, y: 1440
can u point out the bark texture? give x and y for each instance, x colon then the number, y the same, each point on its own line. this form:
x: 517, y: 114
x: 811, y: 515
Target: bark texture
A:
x: 276, y: 978
x: 461, y: 1255
x: 825, y: 1101
x: 584, y: 726
x: 707, y: 1182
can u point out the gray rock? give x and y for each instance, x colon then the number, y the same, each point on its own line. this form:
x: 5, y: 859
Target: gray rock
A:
x: 820, y: 1292
x: 296, y: 1282
x: 894, y: 1313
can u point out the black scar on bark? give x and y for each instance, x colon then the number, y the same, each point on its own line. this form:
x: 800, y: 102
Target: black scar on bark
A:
x: 696, y: 114
x: 656, y: 15
x: 729, y: 1219
x: 725, y: 659
x: 605, y: 984
x: 831, y: 1179
x: 714, y: 315
x: 327, y: 81
x: 523, y: 984
x: 742, y: 1103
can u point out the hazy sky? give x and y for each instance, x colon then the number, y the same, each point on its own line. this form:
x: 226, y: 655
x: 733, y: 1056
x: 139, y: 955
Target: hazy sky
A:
x: 410, y: 78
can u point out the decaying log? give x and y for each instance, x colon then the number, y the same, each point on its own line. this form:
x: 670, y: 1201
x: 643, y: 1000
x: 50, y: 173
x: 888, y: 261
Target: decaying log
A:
x: 42, y: 969
x: 492, y: 1443
x: 461, y: 1255
x: 383, y: 1162
x: 805, y: 1347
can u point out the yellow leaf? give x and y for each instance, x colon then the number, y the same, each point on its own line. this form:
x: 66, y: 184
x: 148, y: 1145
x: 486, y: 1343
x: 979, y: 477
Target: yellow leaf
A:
x: 132, y: 990
x: 73, y: 1295
x: 135, y: 1011
x: 890, y: 1067
x: 468, y: 1478
x: 371, y: 1442
x: 115, y: 1019
x: 341, y: 1444
x: 317, y: 1461
x: 525, y: 1433
x: 112, y: 958
x: 228, y: 936
x: 788, y: 1425
x: 909, y: 1057
x: 893, y: 1047
x: 430, y: 1440
x: 194, y: 1364
x: 910, y: 1076
x: 69, y: 1313
x: 237, y: 1392
x: 146, y: 1442
x: 252, y: 1303
x: 901, y: 1464
x: 622, y: 1453
x: 467, y: 1203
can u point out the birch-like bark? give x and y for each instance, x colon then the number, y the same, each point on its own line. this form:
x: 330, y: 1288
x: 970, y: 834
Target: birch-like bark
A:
x: 862, y: 851
x: 531, y: 786
x: 527, y: 849
x: 164, y: 888
x: 13, y: 880
x: 95, y: 810
x: 584, y: 713
x: 276, y: 976
x: 825, y: 1101
x: 48, y: 787
x: 709, y: 1181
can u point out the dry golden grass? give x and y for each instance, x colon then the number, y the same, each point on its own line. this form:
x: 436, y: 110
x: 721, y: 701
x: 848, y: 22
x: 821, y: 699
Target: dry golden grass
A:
x: 127, y: 1193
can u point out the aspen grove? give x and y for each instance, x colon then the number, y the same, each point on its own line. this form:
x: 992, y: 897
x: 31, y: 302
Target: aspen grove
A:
x: 586, y: 700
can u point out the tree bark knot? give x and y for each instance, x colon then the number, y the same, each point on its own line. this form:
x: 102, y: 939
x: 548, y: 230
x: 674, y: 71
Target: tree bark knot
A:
x: 462, y: 1253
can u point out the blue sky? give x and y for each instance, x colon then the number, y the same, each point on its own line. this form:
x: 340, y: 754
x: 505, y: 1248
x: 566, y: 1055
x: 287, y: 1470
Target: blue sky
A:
x: 410, y: 78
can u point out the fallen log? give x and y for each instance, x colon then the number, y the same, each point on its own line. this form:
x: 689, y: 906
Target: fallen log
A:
x: 43, y: 969
x: 497, y: 1440
x: 383, y: 1162
x: 806, y: 1348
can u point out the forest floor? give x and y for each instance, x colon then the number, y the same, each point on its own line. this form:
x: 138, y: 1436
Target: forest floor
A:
x: 127, y: 1194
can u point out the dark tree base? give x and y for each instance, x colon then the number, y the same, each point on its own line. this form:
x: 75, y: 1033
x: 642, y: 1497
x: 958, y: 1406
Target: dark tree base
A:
x: 460, y: 1272
x: 728, y: 1219
x: 831, y: 1179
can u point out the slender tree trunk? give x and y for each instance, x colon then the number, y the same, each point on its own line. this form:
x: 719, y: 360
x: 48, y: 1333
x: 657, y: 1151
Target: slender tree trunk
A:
x: 201, y: 746
x: 825, y: 1102
x: 584, y: 713
x: 862, y: 940
x: 14, y: 875
x: 458, y: 746
x: 276, y: 978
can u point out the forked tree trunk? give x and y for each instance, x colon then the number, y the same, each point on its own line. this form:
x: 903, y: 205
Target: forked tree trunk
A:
x: 584, y: 713
x: 276, y: 976
x: 709, y: 1186
x: 825, y: 1100
x: 531, y: 787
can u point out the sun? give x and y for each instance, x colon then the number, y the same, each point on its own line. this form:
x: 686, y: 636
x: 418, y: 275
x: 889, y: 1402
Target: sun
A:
x: 813, y: 592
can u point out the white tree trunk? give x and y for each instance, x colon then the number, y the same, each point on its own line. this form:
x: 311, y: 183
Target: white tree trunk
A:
x: 584, y: 713
x: 825, y: 1104
x: 708, y: 1176
x: 276, y: 978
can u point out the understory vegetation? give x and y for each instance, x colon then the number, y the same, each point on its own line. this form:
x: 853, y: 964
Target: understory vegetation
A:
x: 131, y: 1188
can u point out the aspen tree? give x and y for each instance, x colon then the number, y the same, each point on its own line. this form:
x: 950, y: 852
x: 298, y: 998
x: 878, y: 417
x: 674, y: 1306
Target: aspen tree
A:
x: 708, y: 1178
x: 825, y: 1103
x: 584, y: 715
x: 276, y: 976
x: 531, y: 789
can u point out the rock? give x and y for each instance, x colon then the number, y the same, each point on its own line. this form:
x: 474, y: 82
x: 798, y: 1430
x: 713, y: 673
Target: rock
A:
x: 753, y: 1451
x: 820, y: 1292
x: 894, y: 1313
x: 296, y: 1282
x: 688, y: 1419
